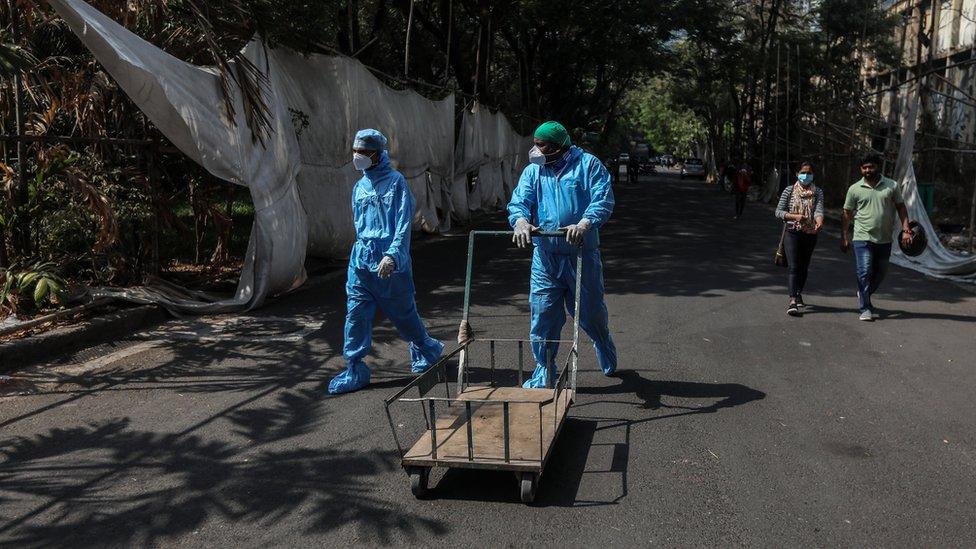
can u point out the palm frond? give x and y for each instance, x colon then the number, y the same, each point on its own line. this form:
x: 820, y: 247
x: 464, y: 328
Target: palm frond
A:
x: 14, y: 59
x: 108, y: 232
x: 226, y: 26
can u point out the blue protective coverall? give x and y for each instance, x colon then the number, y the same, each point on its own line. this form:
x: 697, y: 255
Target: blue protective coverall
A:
x: 382, y: 207
x: 551, y: 197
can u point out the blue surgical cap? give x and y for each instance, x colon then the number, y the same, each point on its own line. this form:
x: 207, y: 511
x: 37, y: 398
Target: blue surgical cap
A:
x: 369, y: 139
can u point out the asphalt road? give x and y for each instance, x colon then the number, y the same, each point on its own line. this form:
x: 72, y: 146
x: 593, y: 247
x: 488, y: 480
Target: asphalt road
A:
x: 729, y: 424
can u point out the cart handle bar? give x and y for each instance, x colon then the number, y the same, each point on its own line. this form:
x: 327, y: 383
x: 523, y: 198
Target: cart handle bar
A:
x: 536, y: 232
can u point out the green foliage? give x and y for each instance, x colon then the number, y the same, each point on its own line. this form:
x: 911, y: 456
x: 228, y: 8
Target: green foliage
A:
x: 668, y: 127
x: 27, y: 290
x: 764, y: 75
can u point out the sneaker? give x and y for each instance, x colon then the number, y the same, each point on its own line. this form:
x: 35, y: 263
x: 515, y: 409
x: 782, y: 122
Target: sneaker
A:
x: 800, y: 303
x: 793, y: 310
x: 866, y: 316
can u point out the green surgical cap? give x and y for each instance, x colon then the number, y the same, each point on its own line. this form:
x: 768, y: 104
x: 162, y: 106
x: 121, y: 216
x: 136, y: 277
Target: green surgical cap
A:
x: 553, y: 132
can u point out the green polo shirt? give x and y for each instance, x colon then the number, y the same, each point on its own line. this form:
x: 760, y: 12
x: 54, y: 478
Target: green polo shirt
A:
x: 874, y: 209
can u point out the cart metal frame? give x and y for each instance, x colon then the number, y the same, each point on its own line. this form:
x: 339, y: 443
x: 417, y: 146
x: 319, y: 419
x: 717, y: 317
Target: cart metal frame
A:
x: 471, y: 407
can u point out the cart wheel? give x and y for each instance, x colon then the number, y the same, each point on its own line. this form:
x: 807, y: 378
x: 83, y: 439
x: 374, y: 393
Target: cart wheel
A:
x: 418, y: 480
x: 529, y: 483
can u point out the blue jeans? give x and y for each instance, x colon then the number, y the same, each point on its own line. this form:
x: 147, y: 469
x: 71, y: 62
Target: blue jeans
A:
x: 872, y: 265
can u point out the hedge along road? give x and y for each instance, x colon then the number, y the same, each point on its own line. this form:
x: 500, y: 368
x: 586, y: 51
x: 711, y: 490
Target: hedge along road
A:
x: 729, y: 423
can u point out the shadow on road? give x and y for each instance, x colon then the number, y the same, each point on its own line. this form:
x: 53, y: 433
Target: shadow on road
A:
x: 889, y: 314
x: 578, y: 454
x: 107, y: 484
x: 651, y: 391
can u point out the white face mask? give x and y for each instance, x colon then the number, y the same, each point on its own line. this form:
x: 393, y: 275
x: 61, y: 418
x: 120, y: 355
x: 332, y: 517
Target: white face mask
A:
x: 361, y: 161
x: 536, y: 157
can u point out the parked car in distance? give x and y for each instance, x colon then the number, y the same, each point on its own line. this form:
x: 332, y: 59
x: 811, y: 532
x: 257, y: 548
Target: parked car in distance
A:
x: 622, y: 161
x: 693, y: 167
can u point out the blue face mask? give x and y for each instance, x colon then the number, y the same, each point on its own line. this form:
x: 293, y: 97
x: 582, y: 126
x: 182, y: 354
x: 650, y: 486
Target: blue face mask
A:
x: 805, y: 178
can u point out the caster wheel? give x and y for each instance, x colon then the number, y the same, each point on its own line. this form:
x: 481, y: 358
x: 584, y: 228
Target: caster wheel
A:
x: 418, y: 480
x: 529, y: 483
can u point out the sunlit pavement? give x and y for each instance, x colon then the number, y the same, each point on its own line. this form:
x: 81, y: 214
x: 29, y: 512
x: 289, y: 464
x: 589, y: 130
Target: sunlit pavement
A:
x: 728, y: 424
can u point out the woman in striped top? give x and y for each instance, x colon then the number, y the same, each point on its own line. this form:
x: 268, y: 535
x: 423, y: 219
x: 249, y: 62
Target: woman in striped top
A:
x: 801, y: 208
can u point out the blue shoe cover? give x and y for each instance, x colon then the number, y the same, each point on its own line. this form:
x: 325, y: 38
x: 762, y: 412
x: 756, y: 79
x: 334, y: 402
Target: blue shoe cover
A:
x: 421, y: 364
x: 354, y: 378
x: 541, y: 378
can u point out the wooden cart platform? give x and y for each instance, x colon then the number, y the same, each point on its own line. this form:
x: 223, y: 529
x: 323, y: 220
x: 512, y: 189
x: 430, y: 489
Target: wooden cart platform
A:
x: 530, y: 412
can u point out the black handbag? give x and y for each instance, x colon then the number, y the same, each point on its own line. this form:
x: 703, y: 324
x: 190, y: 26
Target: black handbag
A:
x: 780, y: 259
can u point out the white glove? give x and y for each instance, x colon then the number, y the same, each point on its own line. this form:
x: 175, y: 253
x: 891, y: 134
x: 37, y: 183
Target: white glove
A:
x: 523, y: 232
x: 386, y: 267
x: 574, y: 233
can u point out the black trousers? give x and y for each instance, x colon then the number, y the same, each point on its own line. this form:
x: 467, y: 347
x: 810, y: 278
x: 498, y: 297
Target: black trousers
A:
x: 740, y: 202
x: 799, y: 250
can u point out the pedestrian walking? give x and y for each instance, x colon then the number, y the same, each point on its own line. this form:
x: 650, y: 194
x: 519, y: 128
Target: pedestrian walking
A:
x: 633, y: 169
x: 563, y: 188
x: 740, y: 188
x: 727, y: 177
x: 380, y: 272
x: 801, y: 209
x: 871, y: 204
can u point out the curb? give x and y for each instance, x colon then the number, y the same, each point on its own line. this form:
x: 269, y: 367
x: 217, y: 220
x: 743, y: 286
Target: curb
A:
x: 31, y: 350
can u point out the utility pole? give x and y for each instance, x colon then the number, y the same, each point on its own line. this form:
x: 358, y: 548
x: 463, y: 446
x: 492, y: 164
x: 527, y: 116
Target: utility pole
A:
x: 972, y: 220
x: 406, y: 50
x: 450, y: 28
x: 22, y: 238
x: 776, y: 162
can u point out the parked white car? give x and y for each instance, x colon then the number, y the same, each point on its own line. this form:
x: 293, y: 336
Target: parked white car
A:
x: 693, y: 167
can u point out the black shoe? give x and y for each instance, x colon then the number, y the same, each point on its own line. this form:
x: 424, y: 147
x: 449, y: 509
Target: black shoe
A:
x: 793, y: 310
x: 800, y: 303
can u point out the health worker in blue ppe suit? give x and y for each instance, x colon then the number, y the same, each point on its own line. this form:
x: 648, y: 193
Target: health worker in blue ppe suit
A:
x: 380, y: 273
x: 563, y: 188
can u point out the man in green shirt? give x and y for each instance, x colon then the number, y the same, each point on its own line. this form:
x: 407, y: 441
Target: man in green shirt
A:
x: 872, y: 203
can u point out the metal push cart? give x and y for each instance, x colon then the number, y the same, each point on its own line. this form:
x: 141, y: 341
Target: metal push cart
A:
x: 486, y: 426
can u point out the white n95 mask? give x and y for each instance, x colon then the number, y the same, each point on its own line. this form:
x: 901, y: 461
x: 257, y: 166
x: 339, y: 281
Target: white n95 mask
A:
x: 536, y: 157
x: 361, y: 161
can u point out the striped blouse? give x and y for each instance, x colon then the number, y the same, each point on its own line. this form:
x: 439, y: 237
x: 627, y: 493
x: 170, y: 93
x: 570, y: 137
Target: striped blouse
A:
x: 783, y: 207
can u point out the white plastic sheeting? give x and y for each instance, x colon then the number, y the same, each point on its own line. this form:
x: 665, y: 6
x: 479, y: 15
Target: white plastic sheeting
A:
x: 936, y: 260
x: 770, y: 189
x: 185, y: 103
x: 301, y: 177
x: 487, y: 144
x: 339, y: 96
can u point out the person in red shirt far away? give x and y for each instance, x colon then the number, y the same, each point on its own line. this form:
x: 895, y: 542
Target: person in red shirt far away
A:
x: 742, y: 183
